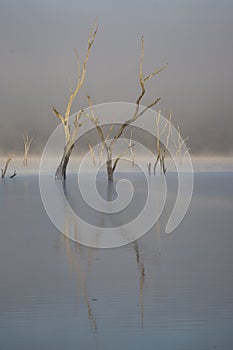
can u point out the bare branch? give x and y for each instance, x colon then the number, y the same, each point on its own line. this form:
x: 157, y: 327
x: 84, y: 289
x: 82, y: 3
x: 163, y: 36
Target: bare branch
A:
x: 92, y: 154
x: 156, y: 163
x: 82, y: 71
x: 94, y: 119
x: 142, y: 81
x: 178, y: 144
x: 108, y: 146
x: 120, y: 156
x: 58, y: 115
x: 169, y: 131
x: 27, y: 143
x: 78, y: 63
x: 70, y: 136
x: 76, y: 126
x: 3, y: 171
x: 130, y: 145
x: 13, y: 175
x: 147, y: 107
x: 156, y: 71
x: 141, y: 78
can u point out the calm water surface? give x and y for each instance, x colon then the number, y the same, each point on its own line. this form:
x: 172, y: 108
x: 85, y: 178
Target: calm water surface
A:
x: 161, y: 292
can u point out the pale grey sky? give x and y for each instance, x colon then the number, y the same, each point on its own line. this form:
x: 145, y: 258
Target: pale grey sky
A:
x: 37, y: 60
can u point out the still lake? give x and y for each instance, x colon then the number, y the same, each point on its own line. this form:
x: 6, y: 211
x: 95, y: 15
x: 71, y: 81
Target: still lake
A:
x: 160, y: 292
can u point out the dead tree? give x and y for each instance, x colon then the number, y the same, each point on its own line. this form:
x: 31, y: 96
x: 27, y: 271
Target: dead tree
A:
x: 4, y: 170
x: 102, y: 145
x: 162, y: 149
x: 108, y: 146
x: 92, y: 154
x: 129, y: 143
x: 27, y: 143
x: 70, y: 135
x: 178, y: 144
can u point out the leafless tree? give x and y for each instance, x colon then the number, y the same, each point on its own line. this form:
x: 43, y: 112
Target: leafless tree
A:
x: 162, y: 149
x: 71, y: 133
x: 179, y: 144
x: 130, y: 145
x: 92, y: 154
x: 108, y: 146
x: 27, y: 143
x: 102, y: 145
x: 4, y: 170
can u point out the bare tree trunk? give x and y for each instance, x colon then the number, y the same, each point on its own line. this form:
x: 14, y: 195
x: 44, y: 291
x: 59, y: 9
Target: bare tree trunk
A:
x: 13, y: 175
x: 110, y: 170
x: 110, y: 191
x: 70, y: 137
x: 61, y: 169
x: 3, y: 171
x: 27, y: 143
x: 111, y: 166
x: 149, y: 168
x: 156, y: 162
x: 92, y: 154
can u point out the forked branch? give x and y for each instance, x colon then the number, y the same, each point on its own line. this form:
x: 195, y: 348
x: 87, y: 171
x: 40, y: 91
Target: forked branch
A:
x: 142, y: 81
x: 27, y: 144
x: 80, y: 80
x: 108, y: 146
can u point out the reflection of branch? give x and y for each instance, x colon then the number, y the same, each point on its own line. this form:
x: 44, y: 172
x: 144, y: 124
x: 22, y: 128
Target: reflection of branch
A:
x: 142, y: 279
x: 75, y: 265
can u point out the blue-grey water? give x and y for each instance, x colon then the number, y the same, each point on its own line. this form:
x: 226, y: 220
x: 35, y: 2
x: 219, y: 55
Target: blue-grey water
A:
x: 161, y: 292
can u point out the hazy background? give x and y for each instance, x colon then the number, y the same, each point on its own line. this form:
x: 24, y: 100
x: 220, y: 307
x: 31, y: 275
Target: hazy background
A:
x: 37, y: 60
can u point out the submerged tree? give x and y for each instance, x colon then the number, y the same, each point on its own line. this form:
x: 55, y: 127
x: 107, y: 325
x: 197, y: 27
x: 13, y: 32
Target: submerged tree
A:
x: 27, y: 144
x: 162, y: 149
x: 130, y: 145
x: 4, y: 170
x: 92, y: 154
x: 71, y: 133
x: 109, y: 145
x: 179, y: 146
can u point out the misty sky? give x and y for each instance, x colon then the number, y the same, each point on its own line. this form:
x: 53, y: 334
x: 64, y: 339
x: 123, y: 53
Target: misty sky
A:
x: 37, y: 60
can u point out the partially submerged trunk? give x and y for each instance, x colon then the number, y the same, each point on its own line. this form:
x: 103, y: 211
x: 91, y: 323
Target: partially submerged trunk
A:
x: 156, y: 163
x: 138, y: 112
x: 61, y: 169
x: 13, y: 175
x: 27, y: 143
x: 149, y: 168
x: 71, y: 134
x: 4, y: 170
x: 110, y: 169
